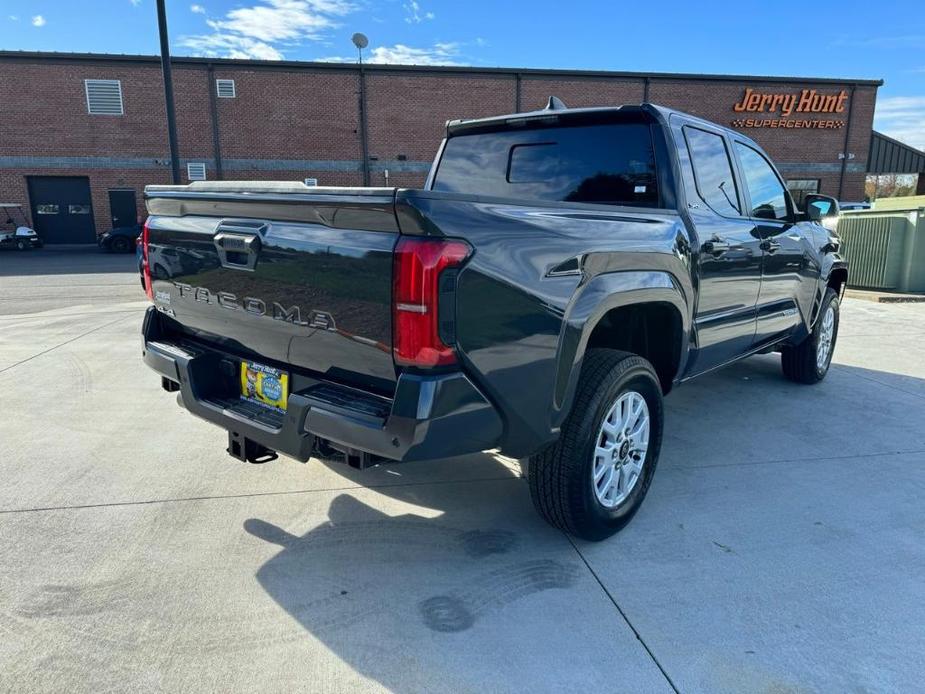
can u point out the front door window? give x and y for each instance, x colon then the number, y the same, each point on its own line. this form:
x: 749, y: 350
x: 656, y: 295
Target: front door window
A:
x: 769, y: 198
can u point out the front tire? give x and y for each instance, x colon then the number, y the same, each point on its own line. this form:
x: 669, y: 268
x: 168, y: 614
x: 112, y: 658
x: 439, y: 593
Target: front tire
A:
x: 809, y: 361
x: 591, y: 482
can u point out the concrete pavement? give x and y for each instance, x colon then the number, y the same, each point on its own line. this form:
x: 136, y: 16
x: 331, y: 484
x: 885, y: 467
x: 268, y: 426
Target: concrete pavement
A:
x: 780, y: 548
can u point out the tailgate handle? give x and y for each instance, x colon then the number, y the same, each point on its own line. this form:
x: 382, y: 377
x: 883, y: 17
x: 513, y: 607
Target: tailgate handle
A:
x: 237, y: 251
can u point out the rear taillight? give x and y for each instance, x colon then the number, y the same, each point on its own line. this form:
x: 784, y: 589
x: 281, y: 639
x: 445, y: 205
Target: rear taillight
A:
x: 145, y: 267
x: 423, y: 300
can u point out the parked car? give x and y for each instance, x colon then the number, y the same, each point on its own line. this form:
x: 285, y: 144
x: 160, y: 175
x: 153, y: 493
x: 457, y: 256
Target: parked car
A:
x: 120, y: 239
x: 558, y: 274
x: 845, y: 206
x: 15, y: 231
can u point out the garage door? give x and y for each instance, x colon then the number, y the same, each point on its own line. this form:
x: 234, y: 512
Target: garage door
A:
x: 61, y: 209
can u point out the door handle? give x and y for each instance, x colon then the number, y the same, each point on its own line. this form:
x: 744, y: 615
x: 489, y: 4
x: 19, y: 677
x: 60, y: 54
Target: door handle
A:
x: 770, y: 245
x: 715, y: 246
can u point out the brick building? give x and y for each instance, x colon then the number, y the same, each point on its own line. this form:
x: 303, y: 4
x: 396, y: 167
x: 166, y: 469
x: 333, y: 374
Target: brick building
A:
x: 81, y: 135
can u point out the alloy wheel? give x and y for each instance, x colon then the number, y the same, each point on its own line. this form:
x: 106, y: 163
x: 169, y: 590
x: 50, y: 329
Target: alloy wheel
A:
x: 620, y: 449
x: 826, y: 332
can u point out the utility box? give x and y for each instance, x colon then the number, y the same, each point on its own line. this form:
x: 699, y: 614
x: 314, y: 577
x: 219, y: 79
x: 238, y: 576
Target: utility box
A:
x: 884, y: 250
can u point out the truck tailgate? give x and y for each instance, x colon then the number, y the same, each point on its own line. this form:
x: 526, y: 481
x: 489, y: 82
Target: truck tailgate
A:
x: 282, y: 273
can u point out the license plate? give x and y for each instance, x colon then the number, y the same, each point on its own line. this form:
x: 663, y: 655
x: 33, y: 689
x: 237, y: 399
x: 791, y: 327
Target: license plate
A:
x: 264, y: 385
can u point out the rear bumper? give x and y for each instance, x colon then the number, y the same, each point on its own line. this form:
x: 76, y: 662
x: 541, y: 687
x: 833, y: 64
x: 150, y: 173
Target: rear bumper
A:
x: 429, y: 417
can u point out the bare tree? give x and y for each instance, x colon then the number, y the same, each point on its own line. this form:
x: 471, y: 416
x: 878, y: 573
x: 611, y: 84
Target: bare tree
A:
x: 889, y: 186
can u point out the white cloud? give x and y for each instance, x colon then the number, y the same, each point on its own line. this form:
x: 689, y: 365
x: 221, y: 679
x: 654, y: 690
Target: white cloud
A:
x: 38, y: 21
x: 438, y: 54
x: 281, y: 20
x: 413, y: 12
x: 14, y: 18
x: 263, y: 30
x: 197, y: 9
x: 135, y: 3
x: 230, y: 46
x: 902, y: 117
x: 444, y: 53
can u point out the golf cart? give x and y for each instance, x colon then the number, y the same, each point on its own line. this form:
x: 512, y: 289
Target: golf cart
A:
x: 14, y: 228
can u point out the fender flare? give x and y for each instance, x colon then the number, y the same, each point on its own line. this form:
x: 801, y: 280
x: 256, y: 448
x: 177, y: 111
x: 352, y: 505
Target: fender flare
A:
x: 591, y: 303
x: 830, y: 263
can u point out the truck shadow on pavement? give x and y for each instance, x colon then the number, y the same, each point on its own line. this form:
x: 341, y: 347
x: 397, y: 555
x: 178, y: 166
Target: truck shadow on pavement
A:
x: 408, y: 540
x: 412, y: 601
x: 391, y: 594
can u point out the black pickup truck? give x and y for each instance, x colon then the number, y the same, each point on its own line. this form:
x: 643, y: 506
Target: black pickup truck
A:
x: 560, y: 271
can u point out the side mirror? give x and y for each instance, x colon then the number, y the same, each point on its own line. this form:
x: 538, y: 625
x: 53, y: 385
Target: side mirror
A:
x: 819, y: 207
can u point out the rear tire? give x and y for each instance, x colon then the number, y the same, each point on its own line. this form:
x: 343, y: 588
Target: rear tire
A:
x: 809, y: 361
x: 568, y: 479
x: 120, y: 244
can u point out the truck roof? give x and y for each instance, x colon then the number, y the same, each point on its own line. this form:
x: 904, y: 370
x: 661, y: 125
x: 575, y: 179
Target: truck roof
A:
x: 555, y: 108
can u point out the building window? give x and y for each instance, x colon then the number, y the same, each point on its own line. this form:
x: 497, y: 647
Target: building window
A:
x: 799, y: 187
x: 104, y: 97
x: 225, y: 89
x: 46, y: 209
x: 196, y: 172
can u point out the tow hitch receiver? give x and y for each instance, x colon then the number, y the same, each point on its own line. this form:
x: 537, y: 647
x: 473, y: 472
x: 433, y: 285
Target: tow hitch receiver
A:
x: 248, y: 450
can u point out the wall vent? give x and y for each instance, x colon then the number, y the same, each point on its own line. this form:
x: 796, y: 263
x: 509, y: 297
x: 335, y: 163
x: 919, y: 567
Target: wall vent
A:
x: 196, y: 171
x: 104, y: 97
x: 225, y: 89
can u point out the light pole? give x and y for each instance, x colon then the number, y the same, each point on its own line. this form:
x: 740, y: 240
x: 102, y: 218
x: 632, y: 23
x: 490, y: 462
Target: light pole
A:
x: 361, y: 42
x: 168, y: 92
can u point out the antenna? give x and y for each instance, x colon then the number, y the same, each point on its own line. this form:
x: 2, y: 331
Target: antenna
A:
x: 555, y: 104
x: 361, y: 42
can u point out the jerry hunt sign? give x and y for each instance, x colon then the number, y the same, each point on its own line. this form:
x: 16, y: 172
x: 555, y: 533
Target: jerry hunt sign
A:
x: 783, y: 106
x: 807, y: 101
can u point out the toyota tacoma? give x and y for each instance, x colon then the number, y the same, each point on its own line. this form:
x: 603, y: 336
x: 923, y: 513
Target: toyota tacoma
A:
x: 560, y: 271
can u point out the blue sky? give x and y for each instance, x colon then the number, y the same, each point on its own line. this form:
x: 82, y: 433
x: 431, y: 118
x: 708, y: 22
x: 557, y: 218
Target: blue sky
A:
x: 825, y: 38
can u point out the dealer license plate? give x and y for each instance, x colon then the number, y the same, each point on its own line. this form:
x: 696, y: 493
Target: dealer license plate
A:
x: 264, y: 385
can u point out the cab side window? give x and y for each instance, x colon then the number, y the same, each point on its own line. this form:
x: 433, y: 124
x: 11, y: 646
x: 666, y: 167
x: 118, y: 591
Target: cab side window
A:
x: 713, y: 171
x: 767, y: 193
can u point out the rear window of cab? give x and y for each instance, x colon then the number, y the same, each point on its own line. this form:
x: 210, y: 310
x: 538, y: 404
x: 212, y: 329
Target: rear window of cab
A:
x: 611, y: 164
